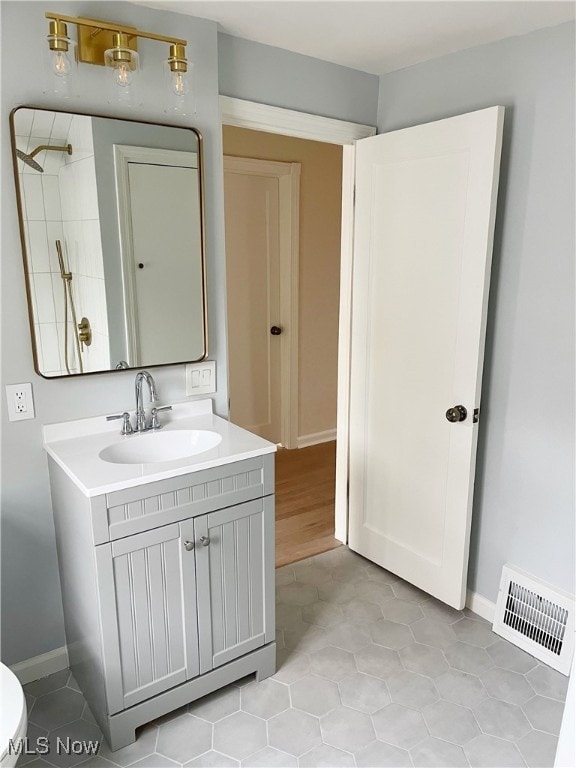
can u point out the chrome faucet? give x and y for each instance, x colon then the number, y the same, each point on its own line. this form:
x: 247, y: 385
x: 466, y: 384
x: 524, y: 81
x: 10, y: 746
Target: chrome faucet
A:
x: 140, y: 413
x: 141, y: 425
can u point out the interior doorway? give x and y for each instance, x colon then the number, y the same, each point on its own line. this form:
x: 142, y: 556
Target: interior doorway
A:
x: 274, y: 308
x: 263, y: 117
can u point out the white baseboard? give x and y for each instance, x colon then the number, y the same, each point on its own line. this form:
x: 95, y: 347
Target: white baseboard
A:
x: 315, y: 438
x: 41, y: 666
x: 481, y: 605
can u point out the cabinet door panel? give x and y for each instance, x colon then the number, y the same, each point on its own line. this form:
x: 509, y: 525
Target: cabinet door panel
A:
x: 236, y: 615
x: 153, y: 575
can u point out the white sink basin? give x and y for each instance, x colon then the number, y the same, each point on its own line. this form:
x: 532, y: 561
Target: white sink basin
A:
x: 155, y: 447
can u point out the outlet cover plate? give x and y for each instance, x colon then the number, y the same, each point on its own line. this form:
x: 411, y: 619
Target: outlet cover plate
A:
x: 201, y: 378
x: 20, y: 401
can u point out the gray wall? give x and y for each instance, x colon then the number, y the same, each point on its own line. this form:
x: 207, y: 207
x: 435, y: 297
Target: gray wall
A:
x: 268, y: 75
x: 524, y: 498
x: 31, y: 604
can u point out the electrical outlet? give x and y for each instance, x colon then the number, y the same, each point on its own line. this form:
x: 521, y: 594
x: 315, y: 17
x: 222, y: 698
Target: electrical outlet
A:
x: 20, y: 402
x: 201, y: 378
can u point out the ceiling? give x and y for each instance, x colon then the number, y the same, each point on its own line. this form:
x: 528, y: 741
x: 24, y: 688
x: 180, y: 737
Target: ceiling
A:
x: 377, y: 36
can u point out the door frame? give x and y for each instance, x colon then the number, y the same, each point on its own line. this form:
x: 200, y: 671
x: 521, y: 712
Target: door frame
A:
x: 287, y: 122
x: 288, y: 176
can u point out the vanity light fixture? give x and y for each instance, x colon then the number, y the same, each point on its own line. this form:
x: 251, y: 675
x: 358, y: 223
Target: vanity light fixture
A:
x: 178, y: 79
x: 59, y: 44
x: 115, y: 46
x: 61, y: 58
x: 122, y: 61
x: 177, y: 67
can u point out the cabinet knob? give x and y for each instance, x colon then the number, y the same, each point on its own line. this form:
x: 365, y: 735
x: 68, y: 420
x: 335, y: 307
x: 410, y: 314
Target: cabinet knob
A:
x: 188, y: 546
x: 204, y: 540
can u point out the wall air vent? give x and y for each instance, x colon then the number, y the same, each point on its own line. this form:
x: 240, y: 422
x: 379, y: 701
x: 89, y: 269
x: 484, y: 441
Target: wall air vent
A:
x: 536, y: 617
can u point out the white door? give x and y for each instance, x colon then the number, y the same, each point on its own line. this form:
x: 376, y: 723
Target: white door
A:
x: 253, y: 285
x: 262, y: 217
x: 169, y: 322
x: 425, y: 208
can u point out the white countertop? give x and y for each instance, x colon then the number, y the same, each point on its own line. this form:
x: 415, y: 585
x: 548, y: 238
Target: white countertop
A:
x: 75, y: 446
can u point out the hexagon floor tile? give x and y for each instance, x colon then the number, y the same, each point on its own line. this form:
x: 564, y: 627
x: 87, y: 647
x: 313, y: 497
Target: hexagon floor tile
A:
x: 347, y: 729
x: 374, y: 673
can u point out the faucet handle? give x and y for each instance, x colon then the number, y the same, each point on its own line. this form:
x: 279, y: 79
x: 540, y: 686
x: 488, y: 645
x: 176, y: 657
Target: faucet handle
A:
x: 126, y: 425
x: 154, y: 413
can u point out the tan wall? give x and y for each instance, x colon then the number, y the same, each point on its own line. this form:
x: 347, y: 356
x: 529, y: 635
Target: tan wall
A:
x: 320, y: 218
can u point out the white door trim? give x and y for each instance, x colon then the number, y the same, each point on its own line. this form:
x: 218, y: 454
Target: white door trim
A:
x: 288, y: 175
x: 262, y: 117
x: 344, y: 343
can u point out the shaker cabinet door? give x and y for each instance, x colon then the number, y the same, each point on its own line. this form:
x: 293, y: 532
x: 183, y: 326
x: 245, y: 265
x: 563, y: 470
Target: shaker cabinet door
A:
x: 150, y: 627
x: 235, y: 569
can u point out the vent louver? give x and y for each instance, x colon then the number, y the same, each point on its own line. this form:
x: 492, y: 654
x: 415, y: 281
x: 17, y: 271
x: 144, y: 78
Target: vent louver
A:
x: 536, y: 618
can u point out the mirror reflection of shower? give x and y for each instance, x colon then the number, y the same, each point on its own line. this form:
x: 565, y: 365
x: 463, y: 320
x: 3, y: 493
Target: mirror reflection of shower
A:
x: 69, y: 303
x: 29, y: 159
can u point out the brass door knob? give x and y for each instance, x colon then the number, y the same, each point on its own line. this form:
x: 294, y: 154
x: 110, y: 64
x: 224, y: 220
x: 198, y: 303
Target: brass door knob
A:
x: 456, y: 413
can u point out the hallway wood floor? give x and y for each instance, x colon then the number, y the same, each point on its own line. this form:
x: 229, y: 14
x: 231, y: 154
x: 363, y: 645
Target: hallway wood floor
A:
x: 305, y: 480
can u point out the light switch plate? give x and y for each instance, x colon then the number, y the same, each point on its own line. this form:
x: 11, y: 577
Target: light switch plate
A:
x: 20, y: 402
x: 201, y: 378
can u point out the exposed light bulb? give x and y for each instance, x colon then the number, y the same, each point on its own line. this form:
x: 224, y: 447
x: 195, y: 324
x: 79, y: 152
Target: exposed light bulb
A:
x: 61, y: 65
x: 123, y: 63
x: 177, y: 70
x: 179, y: 83
x: 123, y: 75
x: 60, y: 61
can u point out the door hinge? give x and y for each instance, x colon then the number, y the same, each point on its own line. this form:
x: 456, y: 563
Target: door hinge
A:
x: 476, y: 416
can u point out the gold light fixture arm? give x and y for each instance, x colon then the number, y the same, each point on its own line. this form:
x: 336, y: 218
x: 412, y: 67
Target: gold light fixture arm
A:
x: 97, y: 26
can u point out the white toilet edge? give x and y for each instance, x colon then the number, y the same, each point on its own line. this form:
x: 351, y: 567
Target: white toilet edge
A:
x: 13, y: 717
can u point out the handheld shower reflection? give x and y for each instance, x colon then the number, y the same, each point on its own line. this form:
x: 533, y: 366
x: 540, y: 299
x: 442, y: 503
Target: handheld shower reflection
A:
x: 29, y: 159
x: 68, y: 301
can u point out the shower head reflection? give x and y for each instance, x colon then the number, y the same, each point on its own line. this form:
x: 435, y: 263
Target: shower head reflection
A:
x: 29, y: 159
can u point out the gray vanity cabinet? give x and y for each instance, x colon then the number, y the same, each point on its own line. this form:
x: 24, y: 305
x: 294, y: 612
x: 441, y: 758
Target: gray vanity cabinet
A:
x: 168, y: 588
x: 188, y: 597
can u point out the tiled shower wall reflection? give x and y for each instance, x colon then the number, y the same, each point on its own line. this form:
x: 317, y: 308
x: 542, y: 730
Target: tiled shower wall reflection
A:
x: 83, y: 244
x: 61, y: 204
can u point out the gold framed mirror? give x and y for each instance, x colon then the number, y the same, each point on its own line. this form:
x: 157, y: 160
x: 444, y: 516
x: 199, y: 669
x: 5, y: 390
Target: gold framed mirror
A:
x: 112, y: 227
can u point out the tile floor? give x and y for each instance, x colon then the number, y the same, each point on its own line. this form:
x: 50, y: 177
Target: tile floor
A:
x: 371, y: 672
